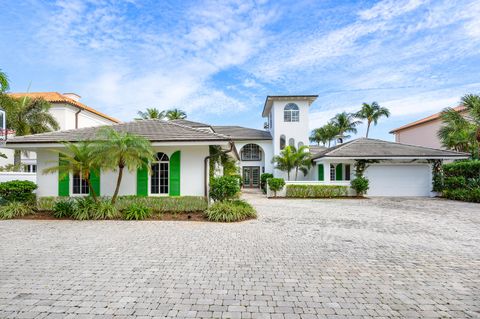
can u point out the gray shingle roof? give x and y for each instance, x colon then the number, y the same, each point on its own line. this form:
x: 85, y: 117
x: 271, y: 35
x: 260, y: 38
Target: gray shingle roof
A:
x: 190, y: 123
x: 153, y: 130
x: 367, y: 147
x: 243, y: 133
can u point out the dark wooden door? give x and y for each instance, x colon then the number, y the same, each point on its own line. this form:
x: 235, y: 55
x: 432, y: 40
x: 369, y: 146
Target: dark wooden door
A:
x: 251, y: 176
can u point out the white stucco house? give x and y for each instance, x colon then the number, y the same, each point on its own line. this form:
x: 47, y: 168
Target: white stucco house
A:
x: 183, y: 152
x: 68, y: 111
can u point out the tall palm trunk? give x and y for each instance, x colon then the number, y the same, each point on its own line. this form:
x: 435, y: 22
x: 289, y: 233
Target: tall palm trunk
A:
x: 17, y: 159
x: 296, y: 172
x: 119, y: 181
x: 92, y: 191
x: 368, y: 128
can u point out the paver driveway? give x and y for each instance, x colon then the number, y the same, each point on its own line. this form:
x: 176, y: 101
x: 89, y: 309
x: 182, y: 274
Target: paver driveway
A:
x: 300, y: 259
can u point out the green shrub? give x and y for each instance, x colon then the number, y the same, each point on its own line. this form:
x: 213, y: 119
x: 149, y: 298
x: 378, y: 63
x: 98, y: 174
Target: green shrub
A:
x: 84, y: 208
x: 360, y: 185
x: 224, y: 188
x: 230, y: 211
x: 263, y: 181
x: 104, y: 209
x: 177, y: 204
x: 454, y: 182
x: 275, y: 184
x: 63, y: 208
x: 20, y: 191
x: 316, y: 191
x: 239, y: 178
x: 137, y: 211
x: 15, y: 209
x: 46, y: 203
x: 468, y: 169
x: 466, y: 195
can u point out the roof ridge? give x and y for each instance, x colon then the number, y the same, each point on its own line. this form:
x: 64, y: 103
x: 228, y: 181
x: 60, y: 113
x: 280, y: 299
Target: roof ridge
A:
x: 198, y: 130
x: 426, y: 147
x: 342, y: 145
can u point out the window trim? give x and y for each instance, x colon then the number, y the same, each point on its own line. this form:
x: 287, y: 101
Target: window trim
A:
x: 168, y: 177
x: 251, y: 160
x: 333, y: 168
x: 284, y: 138
x: 72, y: 194
x: 292, y: 114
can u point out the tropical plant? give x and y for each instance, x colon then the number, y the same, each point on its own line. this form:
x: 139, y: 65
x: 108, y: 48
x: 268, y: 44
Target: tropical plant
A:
x: 46, y: 203
x: 180, y: 204
x: 303, y: 161
x: 18, y: 191
x: 119, y: 150
x: 176, y: 114
x: 230, y: 211
x: 275, y: 185
x: 457, y: 132
x: 15, y: 209
x: 290, y: 158
x: 105, y: 210
x: 224, y: 188
x: 324, y: 134
x: 372, y: 113
x: 316, y: 191
x: 63, y: 208
x: 78, y: 158
x: 137, y: 211
x: 84, y: 208
x: 360, y: 185
x: 263, y: 181
x: 28, y: 116
x: 345, y: 123
x: 219, y: 157
x: 472, y: 103
x: 4, y: 83
x: 151, y: 113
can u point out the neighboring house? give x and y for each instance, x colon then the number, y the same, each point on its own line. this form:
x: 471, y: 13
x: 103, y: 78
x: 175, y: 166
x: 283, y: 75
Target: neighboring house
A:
x: 424, y: 131
x: 182, y: 148
x: 69, y: 112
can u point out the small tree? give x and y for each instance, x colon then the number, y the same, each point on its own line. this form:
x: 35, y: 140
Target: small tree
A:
x: 275, y: 185
x: 224, y: 188
x: 372, y: 113
x: 120, y: 150
x: 290, y: 158
x: 360, y: 185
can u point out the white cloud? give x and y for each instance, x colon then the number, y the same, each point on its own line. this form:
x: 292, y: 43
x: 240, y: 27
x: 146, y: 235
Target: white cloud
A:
x: 389, y: 9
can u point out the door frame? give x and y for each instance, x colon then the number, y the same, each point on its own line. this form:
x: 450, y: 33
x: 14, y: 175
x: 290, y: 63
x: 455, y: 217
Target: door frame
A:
x: 250, y: 169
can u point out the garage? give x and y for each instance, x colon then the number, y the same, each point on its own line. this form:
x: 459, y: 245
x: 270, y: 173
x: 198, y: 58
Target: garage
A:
x: 399, y: 180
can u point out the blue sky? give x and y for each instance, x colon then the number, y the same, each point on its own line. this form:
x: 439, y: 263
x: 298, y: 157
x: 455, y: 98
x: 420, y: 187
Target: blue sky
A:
x: 219, y: 59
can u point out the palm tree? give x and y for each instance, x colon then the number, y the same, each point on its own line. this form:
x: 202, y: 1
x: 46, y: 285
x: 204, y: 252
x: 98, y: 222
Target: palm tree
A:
x: 290, y: 158
x: 372, y: 113
x: 472, y: 103
x: 324, y: 134
x: 345, y: 123
x: 4, y: 85
x: 457, y: 132
x: 176, y: 114
x: 151, y: 113
x: 78, y: 158
x: 28, y: 116
x: 120, y: 150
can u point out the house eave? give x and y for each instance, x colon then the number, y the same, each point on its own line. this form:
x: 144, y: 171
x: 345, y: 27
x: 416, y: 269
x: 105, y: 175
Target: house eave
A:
x: 399, y: 157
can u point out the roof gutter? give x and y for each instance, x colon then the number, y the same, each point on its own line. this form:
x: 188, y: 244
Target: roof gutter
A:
x: 76, y: 117
x: 206, y: 171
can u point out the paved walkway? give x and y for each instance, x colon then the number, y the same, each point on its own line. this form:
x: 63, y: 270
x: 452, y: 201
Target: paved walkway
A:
x: 301, y: 259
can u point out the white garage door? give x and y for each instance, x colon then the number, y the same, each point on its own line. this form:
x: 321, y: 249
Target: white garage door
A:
x: 399, y: 180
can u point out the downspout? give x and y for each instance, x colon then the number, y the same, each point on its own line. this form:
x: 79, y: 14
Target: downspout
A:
x: 206, y: 169
x: 76, y: 117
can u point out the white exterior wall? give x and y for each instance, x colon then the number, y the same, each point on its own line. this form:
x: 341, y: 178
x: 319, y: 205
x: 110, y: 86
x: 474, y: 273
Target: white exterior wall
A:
x: 267, y: 155
x: 191, y: 173
x: 17, y: 176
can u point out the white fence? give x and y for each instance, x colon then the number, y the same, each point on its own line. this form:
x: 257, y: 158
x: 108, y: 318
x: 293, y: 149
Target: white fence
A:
x: 22, y: 176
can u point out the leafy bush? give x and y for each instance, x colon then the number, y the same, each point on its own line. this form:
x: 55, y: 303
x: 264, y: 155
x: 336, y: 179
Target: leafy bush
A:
x: 85, y: 208
x: 454, y: 182
x: 230, y: 211
x: 466, y: 195
x: 224, y: 188
x: 63, y: 208
x: 136, y: 211
x: 20, y: 191
x: 46, y: 203
x: 104, y: 209
x: 263, y: 181
x: 468, y: 169
x: 239, y: 178
x: 15, y: 209
x: 275, y: 184
x: 360, y: 185
x: 316, y: 191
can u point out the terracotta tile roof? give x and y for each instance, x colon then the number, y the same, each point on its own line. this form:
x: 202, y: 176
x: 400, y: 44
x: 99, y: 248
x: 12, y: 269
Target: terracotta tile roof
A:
x: 373, y: 148
x: 425, y: 120
x: 153, y: 130
x: 55, y: 97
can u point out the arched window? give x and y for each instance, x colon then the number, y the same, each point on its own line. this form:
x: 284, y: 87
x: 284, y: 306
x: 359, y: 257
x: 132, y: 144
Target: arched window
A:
x: 251, y: 152
x: 283, y: 141
x: 159, y: 177
x: 291, y: 113
x: 332, y: 172
x: 300, y: 144
x: 291, y: 142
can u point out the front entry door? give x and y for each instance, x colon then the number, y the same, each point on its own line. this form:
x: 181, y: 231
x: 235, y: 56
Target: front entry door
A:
x: 251, y: 176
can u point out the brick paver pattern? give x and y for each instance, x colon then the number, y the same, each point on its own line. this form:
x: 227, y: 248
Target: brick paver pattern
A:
x: 384, y: 258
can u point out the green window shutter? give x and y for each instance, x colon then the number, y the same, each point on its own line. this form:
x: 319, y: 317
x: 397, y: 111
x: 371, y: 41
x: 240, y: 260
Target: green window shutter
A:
x: 142, y: 181
x: 339, y: 172
x: 63, y: 181
x: 321, y: 172
x: 175, y: 174
x: 95, y: 181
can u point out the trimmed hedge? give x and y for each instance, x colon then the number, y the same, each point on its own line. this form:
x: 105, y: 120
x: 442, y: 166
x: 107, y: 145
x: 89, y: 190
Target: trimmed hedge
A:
x: 18, y: 191
x: 467, y: 169
x: 463, y: 194
x: 316, y: 191
x: 462, y: 181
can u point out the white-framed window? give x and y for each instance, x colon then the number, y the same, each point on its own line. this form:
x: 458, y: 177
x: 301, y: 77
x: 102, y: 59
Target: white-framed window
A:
x: 79, y: 185
x: 291, y: 113
x: 333, y: 172
x: 251, y: 152
x: 160, y: 175
x: 283, y: 141
x: 30, y: 168
x: 347, y: 172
